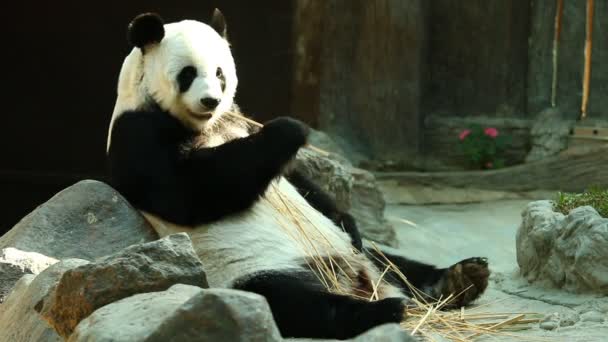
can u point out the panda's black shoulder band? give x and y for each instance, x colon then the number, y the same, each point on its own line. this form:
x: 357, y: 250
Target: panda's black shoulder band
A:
x: 145, y: 29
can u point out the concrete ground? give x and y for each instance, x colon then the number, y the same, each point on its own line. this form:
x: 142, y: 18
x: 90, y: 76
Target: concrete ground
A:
x: 446, y: 234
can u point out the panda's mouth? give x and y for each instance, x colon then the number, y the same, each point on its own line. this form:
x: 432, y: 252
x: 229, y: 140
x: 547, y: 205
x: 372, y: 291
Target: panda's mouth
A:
x: 201, y: 116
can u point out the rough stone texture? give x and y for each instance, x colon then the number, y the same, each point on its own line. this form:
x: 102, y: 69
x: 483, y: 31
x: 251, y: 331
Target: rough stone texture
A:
x: 15, y: 263
x: 415, y: 194
x: 566, y: 251
x: 383, y: 333
x: 133, y: 318
x: 571, y: 55
x: 355, y: 190
x: 549, y: 134
x: 19, y: 322
x: 593, y: 316
x: 182, y: 313
x: 386, y: 333
x: 572, y: 170
x: 220, y: 315
x: 153, y: 266
x: 86, y: 220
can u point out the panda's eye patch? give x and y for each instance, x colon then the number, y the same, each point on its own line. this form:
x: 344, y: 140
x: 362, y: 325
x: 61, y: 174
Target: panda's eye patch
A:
x: 185, y: 78
x: 220, y: 75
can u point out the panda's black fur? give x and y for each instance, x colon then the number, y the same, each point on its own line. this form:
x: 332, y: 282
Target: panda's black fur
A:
x: 181, y: 176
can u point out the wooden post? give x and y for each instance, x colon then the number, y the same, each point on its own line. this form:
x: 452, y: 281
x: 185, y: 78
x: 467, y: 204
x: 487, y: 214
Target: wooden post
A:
x: 588, y: 45
x: 558, y: 27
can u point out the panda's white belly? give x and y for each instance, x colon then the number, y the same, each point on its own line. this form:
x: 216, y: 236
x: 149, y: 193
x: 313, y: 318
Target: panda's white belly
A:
x: 265, y: 237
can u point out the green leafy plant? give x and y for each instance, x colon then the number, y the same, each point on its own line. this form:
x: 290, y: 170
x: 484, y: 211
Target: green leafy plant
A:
x: 483, y: 146
x: 595, y: 197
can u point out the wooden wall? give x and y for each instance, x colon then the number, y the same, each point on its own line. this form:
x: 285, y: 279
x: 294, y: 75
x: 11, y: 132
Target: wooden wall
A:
x: 62, y: 63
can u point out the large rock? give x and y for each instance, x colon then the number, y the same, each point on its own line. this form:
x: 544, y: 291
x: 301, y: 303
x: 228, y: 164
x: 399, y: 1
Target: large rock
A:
x: 86, y: 221
x: 355, y: 191
x: 134, y: 318
x: 390, y: 332
x: 181, y: 313
x: 15, y: 263
x: 19, y: 322
x: 220, y: 315
x: 564, y: 251
x: 153, y: 266
x: 549, y: 134
x: 386, y: 333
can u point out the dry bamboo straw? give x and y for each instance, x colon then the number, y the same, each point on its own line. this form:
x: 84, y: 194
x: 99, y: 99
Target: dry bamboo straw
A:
x: 427, y: 319
x: 255, y: 123
x: 588, y: 45
x: 558, y: 28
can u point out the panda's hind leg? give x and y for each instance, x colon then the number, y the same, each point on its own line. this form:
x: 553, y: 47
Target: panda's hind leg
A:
x: 303, y: 308
x: 466, y: 280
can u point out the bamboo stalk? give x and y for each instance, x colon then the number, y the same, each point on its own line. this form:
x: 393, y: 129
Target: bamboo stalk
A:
x: 424, y: 318
x: 257, y: 124
x: 588, y: 46
x: 499, y: 325
x: 558, y: 27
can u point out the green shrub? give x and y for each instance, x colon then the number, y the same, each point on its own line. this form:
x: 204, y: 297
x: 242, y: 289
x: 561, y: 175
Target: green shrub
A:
x: 594, y: 196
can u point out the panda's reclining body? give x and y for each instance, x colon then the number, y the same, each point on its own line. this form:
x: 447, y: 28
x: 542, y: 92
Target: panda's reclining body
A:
x: 187, y: 165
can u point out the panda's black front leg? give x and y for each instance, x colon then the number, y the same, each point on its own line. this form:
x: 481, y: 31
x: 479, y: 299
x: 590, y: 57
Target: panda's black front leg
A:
x: 229, y: 178
x: 321, y: 201
x: 303, y: 308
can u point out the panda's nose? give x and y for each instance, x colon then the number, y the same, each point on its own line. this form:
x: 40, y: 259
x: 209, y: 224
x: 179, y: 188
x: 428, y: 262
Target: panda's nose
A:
x: 210, y: 102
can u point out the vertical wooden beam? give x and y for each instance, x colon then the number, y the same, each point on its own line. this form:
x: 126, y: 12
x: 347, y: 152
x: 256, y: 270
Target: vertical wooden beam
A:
x: 558, y: 27
x: 588, y: 46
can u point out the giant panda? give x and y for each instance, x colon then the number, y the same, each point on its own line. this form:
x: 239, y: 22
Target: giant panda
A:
x: 179, y: 155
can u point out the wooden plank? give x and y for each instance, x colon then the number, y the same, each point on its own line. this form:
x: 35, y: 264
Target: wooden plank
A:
x: 590, y: 131
x: 573, y: 170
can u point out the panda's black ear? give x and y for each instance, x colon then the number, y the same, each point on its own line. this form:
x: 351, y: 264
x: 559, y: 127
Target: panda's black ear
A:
x: 144, y: 29
x: 218, y: 22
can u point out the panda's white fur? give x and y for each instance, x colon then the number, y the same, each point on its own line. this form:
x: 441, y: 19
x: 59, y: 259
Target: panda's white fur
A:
x: 264, y: 237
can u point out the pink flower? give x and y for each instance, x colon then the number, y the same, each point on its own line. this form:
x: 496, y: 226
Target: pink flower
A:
x: 489, y: 165
x: 464, y: 134
x: 491, y: 132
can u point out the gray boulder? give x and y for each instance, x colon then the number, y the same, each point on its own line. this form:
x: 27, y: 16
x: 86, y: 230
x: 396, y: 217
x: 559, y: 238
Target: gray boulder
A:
x: 86, y: 221
x: 220, y: 315
x: 19, y: 322
x: 354, y: 190
x: 564, y: 251
x: 181, y: 313
x: 386, y: 333
x: 133, y: 318
x: 549, y: 134
x: 15, y: 263
x: 391, y: 332
x: 153, y: 266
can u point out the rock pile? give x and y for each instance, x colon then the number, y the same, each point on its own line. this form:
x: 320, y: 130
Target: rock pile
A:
x: 564, y: 251
x: 86, y: 266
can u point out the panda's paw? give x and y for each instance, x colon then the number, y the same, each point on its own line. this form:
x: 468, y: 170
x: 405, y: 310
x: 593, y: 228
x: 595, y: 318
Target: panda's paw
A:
x: 286, y: 132
x: 466, y: 281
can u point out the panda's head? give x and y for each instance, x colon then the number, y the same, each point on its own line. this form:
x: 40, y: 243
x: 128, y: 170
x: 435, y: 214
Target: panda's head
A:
x: 185, y: 67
